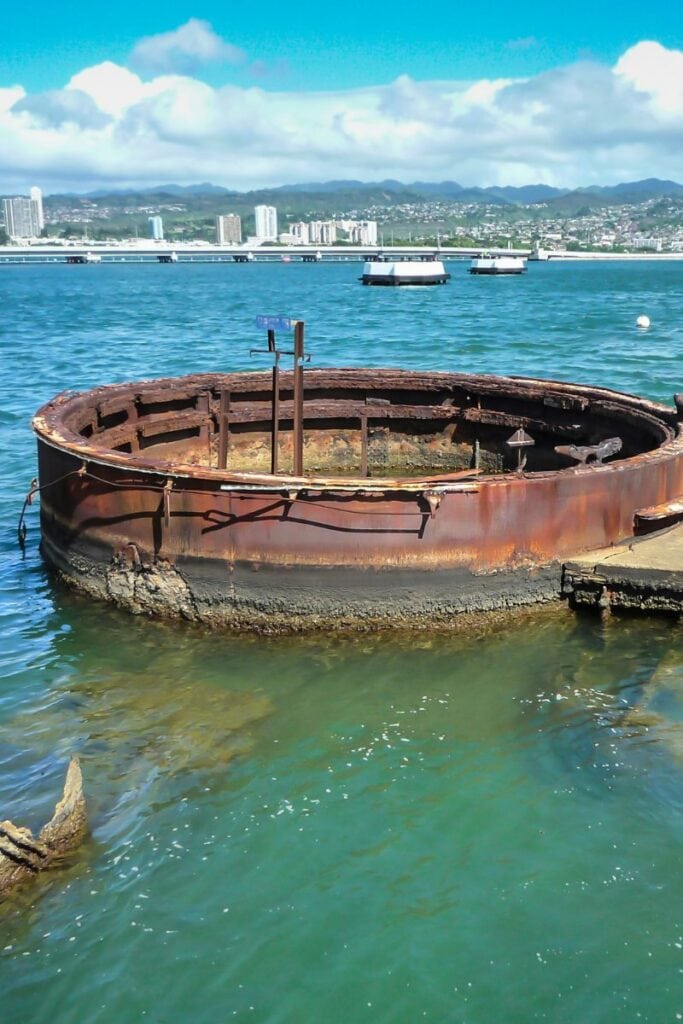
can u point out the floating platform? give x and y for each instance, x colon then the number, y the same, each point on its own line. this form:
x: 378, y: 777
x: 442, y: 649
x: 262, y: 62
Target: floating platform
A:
x: 393, y: 273
x: 498, y: 265
x: 344, y: 498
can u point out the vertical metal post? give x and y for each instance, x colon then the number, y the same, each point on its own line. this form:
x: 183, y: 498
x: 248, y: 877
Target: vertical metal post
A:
x: 364, y: 444
x: 204, y: 405
x: 298, y: 421
x: 133, y: 417
x: 275, y: 438
x: 223, y: 429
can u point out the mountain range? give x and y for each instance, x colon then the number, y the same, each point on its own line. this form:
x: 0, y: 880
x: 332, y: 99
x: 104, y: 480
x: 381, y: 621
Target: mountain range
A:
x: 390, y: 191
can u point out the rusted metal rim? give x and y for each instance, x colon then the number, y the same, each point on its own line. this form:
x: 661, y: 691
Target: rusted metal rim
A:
x: 90, y: 425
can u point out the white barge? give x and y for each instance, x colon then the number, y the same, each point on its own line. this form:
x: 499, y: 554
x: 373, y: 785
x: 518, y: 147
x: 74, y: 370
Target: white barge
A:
x: 404, y: 272
x: 498, y: 265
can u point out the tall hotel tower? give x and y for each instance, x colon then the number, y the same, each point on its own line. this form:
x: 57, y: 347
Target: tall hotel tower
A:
x: 266, y: 223
x: 23, y: 217
x: 228, y: 229
x: 37, y: 203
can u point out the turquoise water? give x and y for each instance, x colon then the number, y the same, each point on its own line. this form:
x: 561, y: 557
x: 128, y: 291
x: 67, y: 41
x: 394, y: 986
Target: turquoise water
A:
x: 462, y: 829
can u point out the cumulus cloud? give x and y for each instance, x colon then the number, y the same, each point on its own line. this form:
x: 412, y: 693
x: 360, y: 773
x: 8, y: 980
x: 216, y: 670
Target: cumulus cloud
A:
x: 9, y: 97
x: 185, y: 49
x: 59, y: 107
x: 576, y: 125
x: 655, y: 72
x: 112, y: 88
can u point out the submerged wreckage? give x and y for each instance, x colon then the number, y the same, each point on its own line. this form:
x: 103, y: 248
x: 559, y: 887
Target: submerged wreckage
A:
x: 23, y: 855
x: 367, y: 497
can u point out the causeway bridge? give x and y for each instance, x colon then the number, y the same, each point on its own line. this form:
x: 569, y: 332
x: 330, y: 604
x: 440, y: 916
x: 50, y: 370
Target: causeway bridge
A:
x: 208, y: 252
x: 203, y: 252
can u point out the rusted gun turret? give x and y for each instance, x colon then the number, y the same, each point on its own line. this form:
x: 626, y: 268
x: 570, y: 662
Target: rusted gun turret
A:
x: 22, y: 855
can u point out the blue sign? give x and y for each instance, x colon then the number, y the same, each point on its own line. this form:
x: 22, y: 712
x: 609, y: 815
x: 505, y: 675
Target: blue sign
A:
x: 275, y: 323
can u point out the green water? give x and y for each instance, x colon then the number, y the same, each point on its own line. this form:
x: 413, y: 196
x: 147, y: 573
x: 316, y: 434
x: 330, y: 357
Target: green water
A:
x: 465, y: 829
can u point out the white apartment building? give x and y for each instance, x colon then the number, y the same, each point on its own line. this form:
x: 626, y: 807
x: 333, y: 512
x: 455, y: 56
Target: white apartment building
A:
x: 22, y: 218
x: 266, y: 223
x: 228, y: 229
x: 299, y: 232
x: 322, y: 232
x: 646, y: 243
x: 364, y: 232
x: 37, y: 198
x: 156, y: 228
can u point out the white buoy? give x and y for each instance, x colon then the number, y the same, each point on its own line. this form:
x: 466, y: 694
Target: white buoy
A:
x: 643, y: 321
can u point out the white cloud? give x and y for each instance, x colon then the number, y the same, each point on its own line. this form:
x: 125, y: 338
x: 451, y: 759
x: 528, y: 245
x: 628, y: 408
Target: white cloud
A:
x: 60, y: 107
x: 8, y: 97
x: 112, y: 87
x: 581, y: 124
x: 656, y: 71
x: 185, y: 49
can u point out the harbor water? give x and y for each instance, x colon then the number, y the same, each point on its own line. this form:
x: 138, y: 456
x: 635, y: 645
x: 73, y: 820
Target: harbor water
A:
x: 476, y: 827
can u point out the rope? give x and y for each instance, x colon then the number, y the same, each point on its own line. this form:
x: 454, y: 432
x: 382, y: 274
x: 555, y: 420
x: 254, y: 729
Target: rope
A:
x: 35, y: 488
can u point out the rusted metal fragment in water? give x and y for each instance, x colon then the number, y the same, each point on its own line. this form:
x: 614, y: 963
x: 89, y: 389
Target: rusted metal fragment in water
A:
x: 408, y: 504
x: 23, y: 855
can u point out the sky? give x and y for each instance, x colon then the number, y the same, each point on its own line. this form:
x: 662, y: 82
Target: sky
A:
x: 247, y: 95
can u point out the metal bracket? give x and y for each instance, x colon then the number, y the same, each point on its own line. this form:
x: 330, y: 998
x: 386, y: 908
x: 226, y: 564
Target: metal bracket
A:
x: 581, y: 453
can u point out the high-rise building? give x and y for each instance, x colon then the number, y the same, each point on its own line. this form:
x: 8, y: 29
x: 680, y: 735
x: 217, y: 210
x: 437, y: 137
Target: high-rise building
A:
x: 299, y: 232
x: 228, y: 229
x: 21, y: 218
x: 323, y: 232
x: 156, y: 228
x: 364, y: 232
x: 37, y: 198
x: 266, y: 223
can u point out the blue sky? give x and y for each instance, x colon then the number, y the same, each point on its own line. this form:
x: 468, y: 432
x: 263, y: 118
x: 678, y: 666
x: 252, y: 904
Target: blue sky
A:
x: 318, y: 45
x: 248, y: 95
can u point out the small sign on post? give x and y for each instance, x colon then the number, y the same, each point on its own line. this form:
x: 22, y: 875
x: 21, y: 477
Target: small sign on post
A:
x: 520, y: 440
x: 275, y: 323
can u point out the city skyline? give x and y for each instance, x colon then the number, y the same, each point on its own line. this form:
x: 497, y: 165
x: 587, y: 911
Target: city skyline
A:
x: 185, y: 94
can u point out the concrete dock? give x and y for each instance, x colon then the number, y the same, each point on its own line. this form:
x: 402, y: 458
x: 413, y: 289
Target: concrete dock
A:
x: 643, y: 573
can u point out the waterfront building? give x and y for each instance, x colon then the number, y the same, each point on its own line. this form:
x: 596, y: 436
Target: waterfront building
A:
x: 156, y: 228
x: 37, y: 198
x: 359, y: 232
x: 228, y: 229
x: 299, y: 232
x: 21, y: 218
x: 363, y: 232
x: 266, y: 223
x: 322, y: 232
x: 646, y: 243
